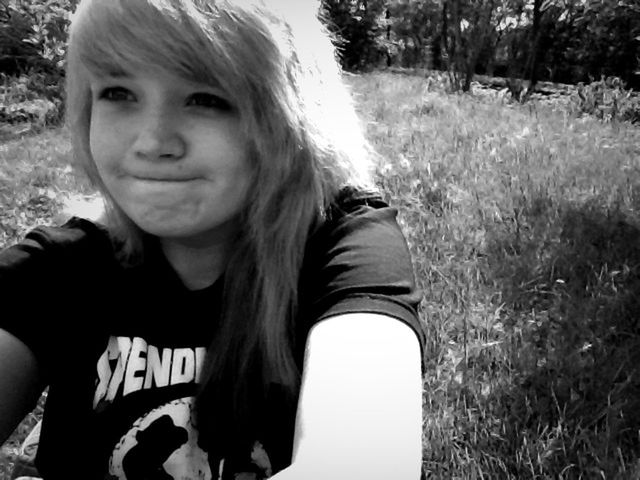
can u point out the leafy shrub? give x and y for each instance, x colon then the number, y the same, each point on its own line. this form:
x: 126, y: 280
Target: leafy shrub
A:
x: 33, y: 34
x: 40, y: 112
x: 440, y: 82
x: 33, y: 37
x: 16, y: 55
x: 26, y: 99
x: 608, y: 100
x: 357, y: 25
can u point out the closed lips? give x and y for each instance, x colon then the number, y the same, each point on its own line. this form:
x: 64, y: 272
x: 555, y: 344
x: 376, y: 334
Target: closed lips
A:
x: 163, y: 178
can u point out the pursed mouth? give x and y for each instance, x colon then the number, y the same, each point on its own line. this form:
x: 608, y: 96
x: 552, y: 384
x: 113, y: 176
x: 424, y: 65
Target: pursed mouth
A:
x: 163, y: 179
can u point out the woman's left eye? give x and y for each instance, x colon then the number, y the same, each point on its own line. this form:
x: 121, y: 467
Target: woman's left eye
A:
x: 208, y: 100
x: 116, y: 94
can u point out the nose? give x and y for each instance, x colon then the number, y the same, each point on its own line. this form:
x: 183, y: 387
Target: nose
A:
x: 159, y: 137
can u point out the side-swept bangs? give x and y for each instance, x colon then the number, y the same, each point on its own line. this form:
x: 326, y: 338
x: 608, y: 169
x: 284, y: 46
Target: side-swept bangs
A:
x: 171, y: 35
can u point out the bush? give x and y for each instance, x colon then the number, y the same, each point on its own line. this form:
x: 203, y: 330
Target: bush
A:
x: 608, y: 100
x: 26, y: 99
x: 33, y: 37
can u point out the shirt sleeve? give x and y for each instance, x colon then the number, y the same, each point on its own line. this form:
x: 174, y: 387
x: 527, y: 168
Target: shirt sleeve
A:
x: 42, y: 274
x: 360, y: 263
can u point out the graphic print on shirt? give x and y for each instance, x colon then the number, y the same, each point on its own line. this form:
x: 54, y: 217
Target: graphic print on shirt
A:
x: 163, y: 443
x: 129, y: 365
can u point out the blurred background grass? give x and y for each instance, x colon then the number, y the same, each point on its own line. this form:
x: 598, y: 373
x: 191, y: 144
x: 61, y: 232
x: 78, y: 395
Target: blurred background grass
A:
x: 523, y: 221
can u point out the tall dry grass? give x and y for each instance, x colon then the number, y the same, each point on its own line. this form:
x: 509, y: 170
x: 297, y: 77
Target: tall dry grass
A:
x: 524, y: 226
x: 36, y: 180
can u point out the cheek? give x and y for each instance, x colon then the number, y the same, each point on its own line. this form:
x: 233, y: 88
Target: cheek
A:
x: 105, y: 144
x: 97, y: 143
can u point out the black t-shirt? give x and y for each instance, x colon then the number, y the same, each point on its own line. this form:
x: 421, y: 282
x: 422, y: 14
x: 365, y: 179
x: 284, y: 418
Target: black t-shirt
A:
x: 121, y: 347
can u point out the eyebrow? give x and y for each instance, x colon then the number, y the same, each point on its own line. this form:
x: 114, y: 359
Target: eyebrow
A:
x: 112, y: 71
x: 116, y: 73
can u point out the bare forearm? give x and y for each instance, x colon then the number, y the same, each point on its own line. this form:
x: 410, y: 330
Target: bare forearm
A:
x: 19, y: 388
x: 332, y: 470
x: 360, y: 411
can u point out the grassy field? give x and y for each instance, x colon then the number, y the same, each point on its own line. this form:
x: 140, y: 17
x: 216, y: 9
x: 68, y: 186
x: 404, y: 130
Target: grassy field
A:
x: 524, y: 224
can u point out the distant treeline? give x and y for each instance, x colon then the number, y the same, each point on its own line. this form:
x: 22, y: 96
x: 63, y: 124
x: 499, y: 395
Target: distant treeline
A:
x: 566, y: 41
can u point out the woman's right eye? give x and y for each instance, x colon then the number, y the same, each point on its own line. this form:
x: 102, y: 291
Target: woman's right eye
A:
x: 116, y: 94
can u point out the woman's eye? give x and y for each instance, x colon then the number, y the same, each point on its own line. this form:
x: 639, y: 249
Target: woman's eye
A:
x: 208, y: 100
x: 117, y: 94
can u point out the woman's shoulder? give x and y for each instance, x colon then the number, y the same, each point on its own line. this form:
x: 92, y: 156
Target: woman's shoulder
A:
x: 74, y: 233
x: 357, y: 221
x: 77, y: 241
x: 352, y: 200
x: 356, y: 212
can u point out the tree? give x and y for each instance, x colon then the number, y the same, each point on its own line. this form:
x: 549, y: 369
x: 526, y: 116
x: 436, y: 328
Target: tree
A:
x: 359, y: 26
x: 609, y: 33
x: 468, y: 26
x: 413, y: 29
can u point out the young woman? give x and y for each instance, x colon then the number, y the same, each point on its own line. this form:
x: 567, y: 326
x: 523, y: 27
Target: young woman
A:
x: 247, y: 308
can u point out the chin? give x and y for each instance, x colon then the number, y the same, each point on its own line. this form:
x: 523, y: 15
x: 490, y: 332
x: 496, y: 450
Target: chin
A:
x: 168, y: 230
x: 192, y: 232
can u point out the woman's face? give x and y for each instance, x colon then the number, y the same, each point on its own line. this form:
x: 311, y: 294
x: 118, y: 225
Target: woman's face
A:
x: 171, y: 153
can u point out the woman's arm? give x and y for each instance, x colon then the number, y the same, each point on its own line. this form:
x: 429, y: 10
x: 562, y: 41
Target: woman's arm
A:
x: 360, y: 408
x: 19, y: 384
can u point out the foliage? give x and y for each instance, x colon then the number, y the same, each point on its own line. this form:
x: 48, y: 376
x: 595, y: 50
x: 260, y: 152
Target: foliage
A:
x: 608, y: 100
x: 410, y: 24
x: 526, y: 40
x: 22, y: 101
x: 15, y: 55
x: 50, y: 21
x: 357, y: 23
x: 472, y: 24
x: 33, y: 38
x: 610, y: 36
x: 35, y: 33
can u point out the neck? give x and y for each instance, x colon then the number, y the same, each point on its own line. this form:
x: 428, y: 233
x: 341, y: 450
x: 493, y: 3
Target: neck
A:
x: 197, y: 265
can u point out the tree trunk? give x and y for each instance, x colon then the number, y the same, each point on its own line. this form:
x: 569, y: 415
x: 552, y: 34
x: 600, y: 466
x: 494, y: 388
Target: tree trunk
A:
x: 456, y: 58
x: 387, y: 16
x: 444, y: 37
x: 535, y: 48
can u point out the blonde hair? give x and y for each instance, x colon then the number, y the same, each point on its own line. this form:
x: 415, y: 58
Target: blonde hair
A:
x: 277, y: 63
